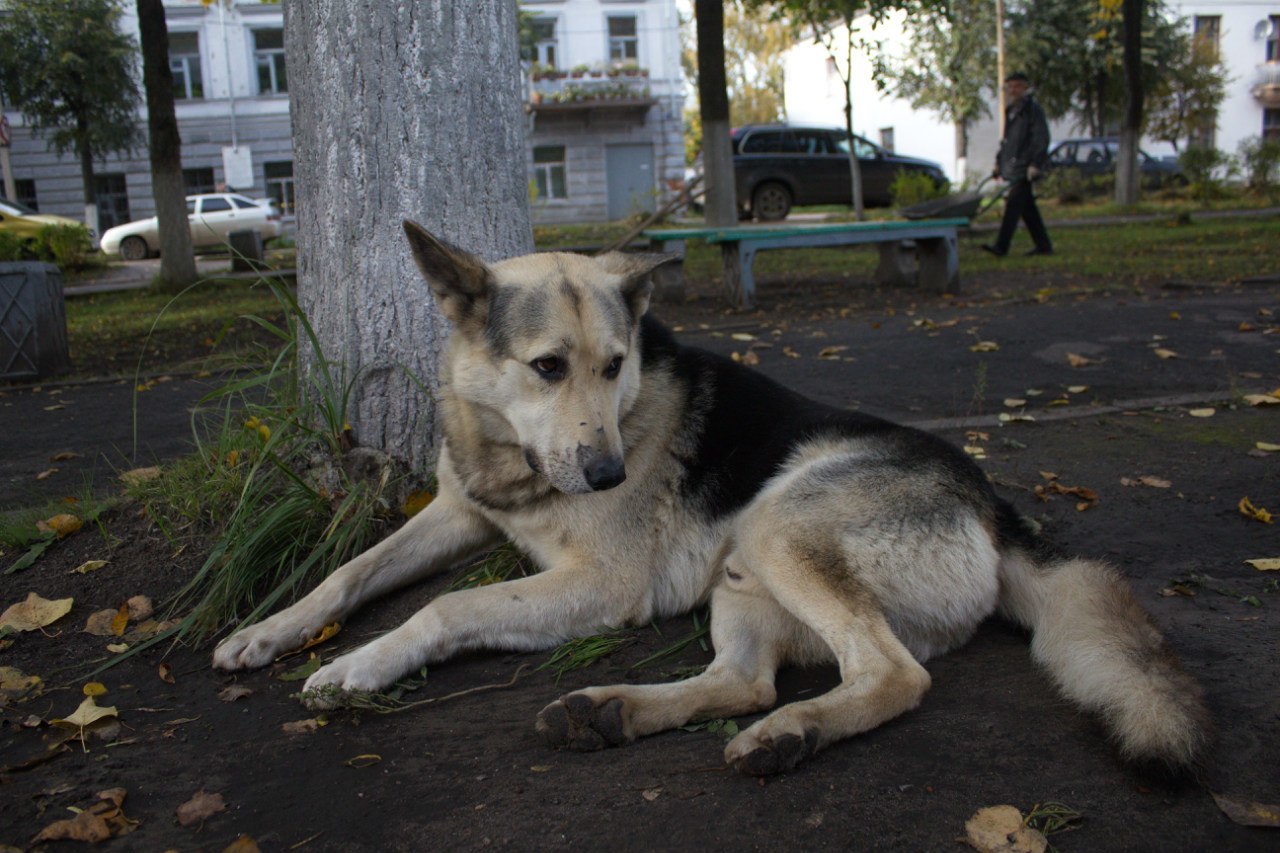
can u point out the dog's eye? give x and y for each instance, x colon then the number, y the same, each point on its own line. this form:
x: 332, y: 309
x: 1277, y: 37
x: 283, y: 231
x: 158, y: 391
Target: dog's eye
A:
x: 615, y: 365
x: 548, y: 367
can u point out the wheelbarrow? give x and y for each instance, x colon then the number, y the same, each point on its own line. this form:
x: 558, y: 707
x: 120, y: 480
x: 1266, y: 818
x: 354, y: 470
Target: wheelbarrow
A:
x: 966, y: 204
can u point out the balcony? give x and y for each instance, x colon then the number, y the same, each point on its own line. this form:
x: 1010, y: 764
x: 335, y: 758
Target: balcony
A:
x: 617, y: 90
x: 1266, y: 85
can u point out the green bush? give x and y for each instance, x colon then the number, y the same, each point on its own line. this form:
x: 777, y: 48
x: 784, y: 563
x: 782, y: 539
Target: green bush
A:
x: 1206, y: 169
x: 13, y: 247
x: 910, y: 188
x: 1066, y: 186
x: 1260, y: 159
x: 68, y: 246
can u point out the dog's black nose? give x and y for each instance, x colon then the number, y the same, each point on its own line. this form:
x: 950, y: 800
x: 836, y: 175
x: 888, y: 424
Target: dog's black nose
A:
x: 605, y: 473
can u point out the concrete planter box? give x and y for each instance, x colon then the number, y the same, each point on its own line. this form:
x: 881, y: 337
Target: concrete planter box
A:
x: 33, y: 321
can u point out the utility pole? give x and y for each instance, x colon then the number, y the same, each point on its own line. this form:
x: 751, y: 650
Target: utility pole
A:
x: 6, y: 165
x: 1000, y: 62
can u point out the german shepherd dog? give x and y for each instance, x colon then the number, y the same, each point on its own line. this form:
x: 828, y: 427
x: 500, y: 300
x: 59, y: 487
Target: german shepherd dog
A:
x: 646, y: 478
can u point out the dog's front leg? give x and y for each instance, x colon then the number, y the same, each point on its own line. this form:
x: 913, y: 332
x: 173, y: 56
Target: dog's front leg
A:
x: 443, y: 534
x: 530, y: 613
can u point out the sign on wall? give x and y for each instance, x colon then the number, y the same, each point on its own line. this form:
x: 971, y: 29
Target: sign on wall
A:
x: 237, y: 165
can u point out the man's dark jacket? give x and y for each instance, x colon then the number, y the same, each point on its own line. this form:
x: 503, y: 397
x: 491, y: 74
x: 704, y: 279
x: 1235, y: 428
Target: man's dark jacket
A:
x: 1026, y: 141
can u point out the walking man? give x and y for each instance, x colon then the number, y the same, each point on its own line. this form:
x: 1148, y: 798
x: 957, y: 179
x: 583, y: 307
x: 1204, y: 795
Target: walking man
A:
x: 1022, y: 155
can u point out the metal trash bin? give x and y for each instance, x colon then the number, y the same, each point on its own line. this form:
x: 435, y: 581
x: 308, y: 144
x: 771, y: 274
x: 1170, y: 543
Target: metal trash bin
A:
x: 246, y: 250
x: 33, y: 321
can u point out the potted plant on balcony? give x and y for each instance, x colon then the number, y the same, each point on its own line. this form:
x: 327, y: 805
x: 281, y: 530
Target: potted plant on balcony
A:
x: 579, y: 71
x: 630, y: 68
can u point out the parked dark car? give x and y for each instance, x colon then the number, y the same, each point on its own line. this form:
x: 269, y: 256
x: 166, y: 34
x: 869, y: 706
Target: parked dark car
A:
x: 778, y: 166
x: 1097, y: 156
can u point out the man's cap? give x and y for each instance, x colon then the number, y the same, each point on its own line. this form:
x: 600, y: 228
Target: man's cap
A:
x: 1019, y: 76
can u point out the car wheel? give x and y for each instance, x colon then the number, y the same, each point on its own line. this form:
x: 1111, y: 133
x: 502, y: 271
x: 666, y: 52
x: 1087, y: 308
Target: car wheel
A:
x: 133, y: 249
x: 771, y: 202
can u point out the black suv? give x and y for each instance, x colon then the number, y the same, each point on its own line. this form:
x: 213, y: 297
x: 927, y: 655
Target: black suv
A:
x: 777, y: 166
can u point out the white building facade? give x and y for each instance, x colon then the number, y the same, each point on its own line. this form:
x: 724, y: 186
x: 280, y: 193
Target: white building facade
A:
x: 1247, y: 32
x: 600, y: 146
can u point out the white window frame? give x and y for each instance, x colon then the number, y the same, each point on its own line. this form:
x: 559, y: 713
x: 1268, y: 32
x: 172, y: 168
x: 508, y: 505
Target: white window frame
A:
x: 611, y: 41
x: 547, y: 51
x: 184, y: 60
x: 274, y: 60
x: 543, y: 173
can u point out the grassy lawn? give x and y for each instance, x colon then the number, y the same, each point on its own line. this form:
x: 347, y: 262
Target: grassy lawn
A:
x: 109, y: 332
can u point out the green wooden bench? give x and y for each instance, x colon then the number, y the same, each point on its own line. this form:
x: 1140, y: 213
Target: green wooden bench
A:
x: 934, y: 241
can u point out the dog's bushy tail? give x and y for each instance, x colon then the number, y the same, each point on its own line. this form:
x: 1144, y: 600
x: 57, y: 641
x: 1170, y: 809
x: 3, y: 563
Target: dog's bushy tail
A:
x: 1105, y: 654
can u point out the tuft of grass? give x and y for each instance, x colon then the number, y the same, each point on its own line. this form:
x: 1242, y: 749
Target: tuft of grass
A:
x: 266, y: 484
x: 19, y: 530
x: 1050, y: 818
x: 583, y: 652
x: 701, y: 631
x: 502, y: 563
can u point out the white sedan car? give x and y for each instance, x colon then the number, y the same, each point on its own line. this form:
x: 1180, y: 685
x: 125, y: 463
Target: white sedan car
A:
x: 212, y: 216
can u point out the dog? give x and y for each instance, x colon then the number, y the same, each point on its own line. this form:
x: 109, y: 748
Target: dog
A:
x: 646, y: 478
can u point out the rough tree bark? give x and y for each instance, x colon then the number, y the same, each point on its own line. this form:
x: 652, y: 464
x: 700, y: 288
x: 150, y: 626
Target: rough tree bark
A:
x: 407, y: 110
x: 177, y: 260
x: 1127, y: 172
x: 713, y: 102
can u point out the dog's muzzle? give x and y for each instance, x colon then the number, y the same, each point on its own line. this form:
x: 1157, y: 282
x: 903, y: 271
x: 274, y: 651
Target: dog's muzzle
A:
x: 605, y: 473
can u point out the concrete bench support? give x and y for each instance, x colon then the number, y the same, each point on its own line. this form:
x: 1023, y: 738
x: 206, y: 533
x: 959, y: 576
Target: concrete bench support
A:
x: 33, y: 321
x: 934, y: 243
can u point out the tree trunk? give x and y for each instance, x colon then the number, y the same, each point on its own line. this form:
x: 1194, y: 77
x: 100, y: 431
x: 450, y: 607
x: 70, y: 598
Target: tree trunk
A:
x: 408, y: 110
x: 721, y: 202
x: 962, y: 149
x: 177, y: 260
x: 855, y: 168
x: 1127, y: 165
x: 86, y: 178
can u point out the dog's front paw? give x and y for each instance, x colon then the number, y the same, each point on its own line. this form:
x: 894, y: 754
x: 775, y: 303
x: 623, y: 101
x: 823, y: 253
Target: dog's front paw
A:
x: 758, y: 752
x: 578, y: 723
x: 258, y: 645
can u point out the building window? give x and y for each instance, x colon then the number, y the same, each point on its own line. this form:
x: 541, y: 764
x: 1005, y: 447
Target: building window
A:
x: 197, y: 181
x: 545, y: 44
x: 548, y: 171
x: 268, y: 52
x: 184, y: 62
x: 25, y: 188
x: 113, y: 200
x: 1271, y: 124
x: 279, y: 178
x: 1207, y: 30
x: 624, y: 46
x: 1273, y: 39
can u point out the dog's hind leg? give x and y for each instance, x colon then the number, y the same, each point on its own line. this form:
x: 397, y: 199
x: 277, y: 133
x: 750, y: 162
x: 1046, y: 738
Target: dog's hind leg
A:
x: 749, y: 631
x: 440, y: 536
x: 879, y: 677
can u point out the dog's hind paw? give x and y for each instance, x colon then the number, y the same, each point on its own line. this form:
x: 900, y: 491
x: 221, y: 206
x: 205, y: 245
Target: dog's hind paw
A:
x: 754, y: 756
x: 575, y: 722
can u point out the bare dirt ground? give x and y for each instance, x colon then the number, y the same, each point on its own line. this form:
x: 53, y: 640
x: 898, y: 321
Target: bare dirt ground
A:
x: 469, y: 772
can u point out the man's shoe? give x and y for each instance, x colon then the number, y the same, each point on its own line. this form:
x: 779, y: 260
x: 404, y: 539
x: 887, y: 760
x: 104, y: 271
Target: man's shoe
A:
x: 999, y: 253
x: 1039, y: 251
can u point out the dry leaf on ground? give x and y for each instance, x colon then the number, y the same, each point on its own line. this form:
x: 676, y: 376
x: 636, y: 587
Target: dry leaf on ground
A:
x: 35, y: 613
x: 1257, y: 513
x: 140, y: 475
x: 86, y: 715
x: 1149, y: 482
x: 999, y: 829
x: 1202, y: 413
x: 165, y: 671
x: 201, y: 806
x: 831, y: 353
x: 88, y: 566
x: 139, y: 608
x: 99, y: 623
x: 94, y: 689
x: 103, y: 820
x: 1248, y: 813
x: 302, y: 727
x: 14, y: 682
x: 326, y: 633
x: 63, y: 524
x: 243, y: 844
x: 1164, y: 354
x: 1265, y: 564
x: 985, y: 346
x: 1077, y: 360
x: 1262, y: 400
x: 233, y: 692
x: 416, y: 502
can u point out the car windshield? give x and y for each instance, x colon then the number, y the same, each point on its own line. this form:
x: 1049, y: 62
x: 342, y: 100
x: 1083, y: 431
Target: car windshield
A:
x: 865, y: 150
x: 14, y: 208
x: 243, y: 202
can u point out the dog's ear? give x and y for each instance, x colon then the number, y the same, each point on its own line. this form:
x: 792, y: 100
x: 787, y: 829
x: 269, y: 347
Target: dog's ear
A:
x: 460, y: 281
x: 636, y: 271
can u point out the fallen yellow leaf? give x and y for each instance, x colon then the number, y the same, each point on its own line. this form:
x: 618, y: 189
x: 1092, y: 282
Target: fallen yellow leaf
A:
x: 63, y: 524
x: 14, y: 681
x: 140, y: 475
x: 1202, y: 413
x: 1257, y: 513
x: 1261, y: 400
x: 1077, y: 389
x: 831, y: 353
x: 94, y: 688
x: 1165, y: 354
x: 1000, y: 829
x: 86, y: 715
x: 200, y: 807
x: 326, y: 633
x: 35, y: 613
x: 1076, y: 360
x: 1265, y: 564
x: 1014, y: 402
x: 120, y: 621
x: 1268, y: 447
x: 985, y: 346
x: 88, y: 566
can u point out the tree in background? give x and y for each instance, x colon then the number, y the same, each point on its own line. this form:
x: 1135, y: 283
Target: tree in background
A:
x: 1073, y: 50
x: 754, y: 44
x: 447, y: 151
x: 1131, y: 123
x: 177, y: 260
x: 1186, y: 98
x: 948, y: 66
x: 71, y: 72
